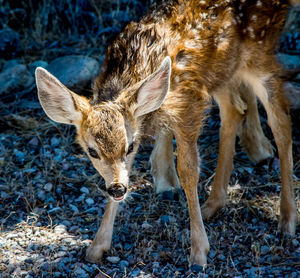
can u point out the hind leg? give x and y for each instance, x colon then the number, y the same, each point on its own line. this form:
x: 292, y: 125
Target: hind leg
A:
x: 251, y: 135
x: 162, y: 163
x: 231, y: 118
x: 271, y: 95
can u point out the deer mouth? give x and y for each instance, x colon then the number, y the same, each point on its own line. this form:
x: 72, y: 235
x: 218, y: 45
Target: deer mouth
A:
x: 118, y: 199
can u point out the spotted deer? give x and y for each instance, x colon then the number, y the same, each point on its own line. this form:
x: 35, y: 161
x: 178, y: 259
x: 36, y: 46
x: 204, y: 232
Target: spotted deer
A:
x: 158, y: 77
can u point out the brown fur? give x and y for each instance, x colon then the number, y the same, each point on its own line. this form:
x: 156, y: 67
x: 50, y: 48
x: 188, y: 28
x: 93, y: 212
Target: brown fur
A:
x: 222, y: 49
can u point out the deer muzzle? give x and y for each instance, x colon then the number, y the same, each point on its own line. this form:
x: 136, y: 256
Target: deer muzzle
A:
x: 117, y: 191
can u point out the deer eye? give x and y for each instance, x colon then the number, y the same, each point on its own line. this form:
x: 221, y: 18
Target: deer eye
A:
x: 93, y: 153
x: 130, y: 148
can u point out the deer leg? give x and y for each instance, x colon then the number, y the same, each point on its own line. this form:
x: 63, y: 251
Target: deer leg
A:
x: 162, y: 163
x: 277, y: 110
x: 251, y: 135
x: 187, y: 166
x: 102, y: 240
x: 231, y: 118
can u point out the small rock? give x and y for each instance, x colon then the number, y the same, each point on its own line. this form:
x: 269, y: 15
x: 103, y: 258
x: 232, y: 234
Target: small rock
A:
x: 34, y: 141
x: 276, y: 164
x: 79, y: 272
x: 28, y: 261
x: 15, y: 79
x: 48, y: 186
x: 164, y: 219
x: 123, y: 264
x: 222, y: 257
x: 4, y: 195
x: 155, y: 264
x: 55, y: 141
x: 45, y: 267
x: 54, y: 210
x: 41, y: 195
x: 20, y: 156
x: 84, y: 190
x: 212, y: 253
x: 67, y: 223
x: 60, y: 229
x: 74, y: 208
x: 295, y: 242
x: 75, y: 71
x: 264, y: 249
x: 61, y: 254
x: 80, y: 198
x: 127, y: 246
x: 135, y: 272
x: 197, y: 268
x: 113, y: 259
x: 89, y: 201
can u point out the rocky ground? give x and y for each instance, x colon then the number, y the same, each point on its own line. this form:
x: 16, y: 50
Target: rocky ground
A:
x: 51, y: 203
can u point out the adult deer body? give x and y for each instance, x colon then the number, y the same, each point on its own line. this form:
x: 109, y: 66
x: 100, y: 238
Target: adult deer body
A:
x: 159, y: 75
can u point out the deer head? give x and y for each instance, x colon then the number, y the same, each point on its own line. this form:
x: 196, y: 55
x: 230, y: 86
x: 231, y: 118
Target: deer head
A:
x: 109, y: 131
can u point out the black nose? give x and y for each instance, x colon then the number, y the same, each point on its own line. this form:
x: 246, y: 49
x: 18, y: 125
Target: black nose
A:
x: 116, y: 190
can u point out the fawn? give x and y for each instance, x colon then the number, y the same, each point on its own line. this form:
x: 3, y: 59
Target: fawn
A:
x: 158, y: 77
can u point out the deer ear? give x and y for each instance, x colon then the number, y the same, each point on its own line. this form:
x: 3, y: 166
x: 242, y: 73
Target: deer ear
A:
x: 59, y: 103
x: 153, y: 91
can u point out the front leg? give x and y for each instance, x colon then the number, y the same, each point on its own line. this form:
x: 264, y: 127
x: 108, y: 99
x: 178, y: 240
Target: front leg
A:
x: 188, y: 176
x: 102, y: 240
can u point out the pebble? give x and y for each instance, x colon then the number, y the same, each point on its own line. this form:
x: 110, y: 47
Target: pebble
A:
x: 127, y: 246
x: 79, y: 272
x: 295, y: 242
x: 80, y: 198
x: 113, y: 259
x: 89, y: 201
x: 41, y: 195
x: 197, y: 268
x: 60, y: 229
x: 48, y: 186
x: 165, y: 219
x: 85, y: 190
x: 15, y: 79
x: 123, y: 264
x: 4, y: 195
x: 45, y: 267
x: 74, y: 208
x: 135, y: 272
x: 264, y: 249
x: 222, y: 257
x: 54, y: 210
x: 34, y: 141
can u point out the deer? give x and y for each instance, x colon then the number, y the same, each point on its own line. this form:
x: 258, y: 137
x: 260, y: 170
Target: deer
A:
x: 159, y: 76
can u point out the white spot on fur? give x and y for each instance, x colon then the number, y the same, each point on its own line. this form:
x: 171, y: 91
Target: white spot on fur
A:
x: 254, y: 17
x: 192, y: 44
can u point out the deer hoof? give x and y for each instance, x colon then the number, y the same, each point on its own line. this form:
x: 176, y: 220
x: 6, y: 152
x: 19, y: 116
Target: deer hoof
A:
x: 199, y: 258
x: 211, y: 207
x: 287, y: 225
x: 94, y: 254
